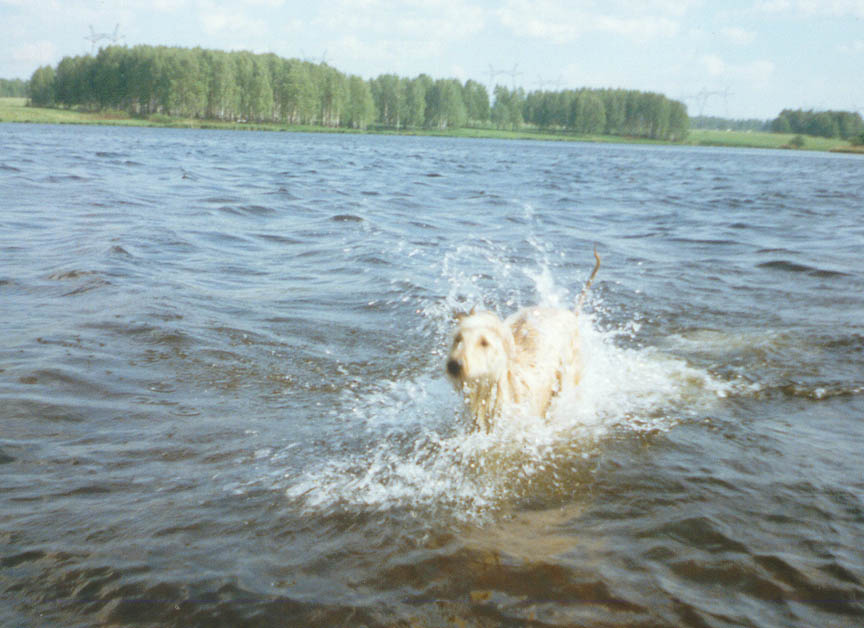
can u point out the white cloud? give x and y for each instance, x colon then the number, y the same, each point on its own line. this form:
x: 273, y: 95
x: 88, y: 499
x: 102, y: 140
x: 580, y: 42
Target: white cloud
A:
x: 35, y: 53
x: 546, y: 20
x: 31, y: 4
x: 165, y: 5
x: 217, y: 20
x: 714, y: 65
x: 394, y: 19
x: 810, y: 8
x: 386, y: 34
x: 738, y: 35
x: 390, y: 55
x: 772, y: 6
x: 560, y: 22
x: 382, y: 50
x: 832, y: 8
x: 273, y: 4
x: 664, y: 7
x: 855, y: 47
x: 754, y: 71
x: 649, y: 27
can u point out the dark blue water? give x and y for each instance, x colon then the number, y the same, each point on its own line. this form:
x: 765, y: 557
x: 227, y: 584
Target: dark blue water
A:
x: 222, y: 398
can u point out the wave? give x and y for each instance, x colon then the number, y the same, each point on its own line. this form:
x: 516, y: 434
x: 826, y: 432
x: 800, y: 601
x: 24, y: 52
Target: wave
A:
x: 247, y: 210
x: 346, y: 218
x: 758, y: 361
x: 792, y: 267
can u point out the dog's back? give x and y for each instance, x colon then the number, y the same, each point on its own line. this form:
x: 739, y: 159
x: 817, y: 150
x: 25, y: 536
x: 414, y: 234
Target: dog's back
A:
x: 547, y: 354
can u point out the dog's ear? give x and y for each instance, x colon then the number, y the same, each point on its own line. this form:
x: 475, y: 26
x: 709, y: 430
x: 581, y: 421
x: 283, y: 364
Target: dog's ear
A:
x: 459, y: 316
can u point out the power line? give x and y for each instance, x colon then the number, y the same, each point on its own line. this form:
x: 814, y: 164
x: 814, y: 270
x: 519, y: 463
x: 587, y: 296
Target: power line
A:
x: 702, y: 97
x: 94, y: 38
x: 493, y: 73
x: 512, y: 73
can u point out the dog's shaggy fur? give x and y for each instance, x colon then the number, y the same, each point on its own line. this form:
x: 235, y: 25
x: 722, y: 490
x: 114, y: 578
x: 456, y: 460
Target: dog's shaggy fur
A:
x: 516, y: 365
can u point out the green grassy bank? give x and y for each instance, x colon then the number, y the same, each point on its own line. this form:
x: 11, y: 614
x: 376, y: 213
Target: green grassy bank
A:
x: 15, y: 110
x: 754, y: 139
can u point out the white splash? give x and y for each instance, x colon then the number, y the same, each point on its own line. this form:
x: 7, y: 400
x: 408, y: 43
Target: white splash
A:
x: 416, y: 451
x: 420, y: 454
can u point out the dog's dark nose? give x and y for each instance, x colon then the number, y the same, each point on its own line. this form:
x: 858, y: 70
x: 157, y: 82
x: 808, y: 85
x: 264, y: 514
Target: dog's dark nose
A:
x: 454, y: 368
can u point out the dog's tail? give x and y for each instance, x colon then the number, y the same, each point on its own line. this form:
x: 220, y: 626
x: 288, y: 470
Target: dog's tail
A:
x: 584, y: 292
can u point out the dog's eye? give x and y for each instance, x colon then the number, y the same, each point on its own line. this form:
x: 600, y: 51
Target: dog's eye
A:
x: 483, y: 341
x: 457, y: 339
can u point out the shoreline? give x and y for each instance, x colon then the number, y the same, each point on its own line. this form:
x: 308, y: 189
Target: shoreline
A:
x: 14, y: 110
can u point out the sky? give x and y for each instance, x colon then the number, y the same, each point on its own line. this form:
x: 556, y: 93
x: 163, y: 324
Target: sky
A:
x: 734, y: 59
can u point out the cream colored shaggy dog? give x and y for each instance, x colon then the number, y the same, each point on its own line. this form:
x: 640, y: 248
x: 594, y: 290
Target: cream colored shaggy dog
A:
x: 519, y: 364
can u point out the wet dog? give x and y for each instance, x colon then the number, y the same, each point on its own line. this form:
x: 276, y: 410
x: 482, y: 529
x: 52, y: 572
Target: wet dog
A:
x: 516, y: 365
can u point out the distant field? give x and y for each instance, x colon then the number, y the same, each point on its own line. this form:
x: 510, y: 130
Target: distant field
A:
x: 15, y: 110
x: 754, y: 139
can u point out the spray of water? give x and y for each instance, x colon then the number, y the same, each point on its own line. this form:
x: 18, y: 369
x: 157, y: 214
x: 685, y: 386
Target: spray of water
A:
x: 419, y: 452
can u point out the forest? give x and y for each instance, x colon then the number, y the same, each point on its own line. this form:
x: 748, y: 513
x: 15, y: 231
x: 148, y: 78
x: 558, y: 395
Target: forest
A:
x: 149, y: 81
x: 846, y: 125
x: 13, y: 88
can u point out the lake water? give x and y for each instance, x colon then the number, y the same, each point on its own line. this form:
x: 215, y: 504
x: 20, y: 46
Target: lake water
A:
x: 222, y: 396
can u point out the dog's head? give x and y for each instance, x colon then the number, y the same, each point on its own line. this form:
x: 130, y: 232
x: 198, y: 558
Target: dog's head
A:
x: 482, y: 346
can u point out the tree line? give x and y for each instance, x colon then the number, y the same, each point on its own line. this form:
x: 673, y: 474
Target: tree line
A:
x: 846, y: 125
x: 608, y: 111
x: 207, y: 84
x: 243, y: 86
x: 14, y: 88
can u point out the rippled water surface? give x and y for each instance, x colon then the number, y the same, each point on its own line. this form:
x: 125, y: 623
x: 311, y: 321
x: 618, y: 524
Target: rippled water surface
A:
x: 222, y: 399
